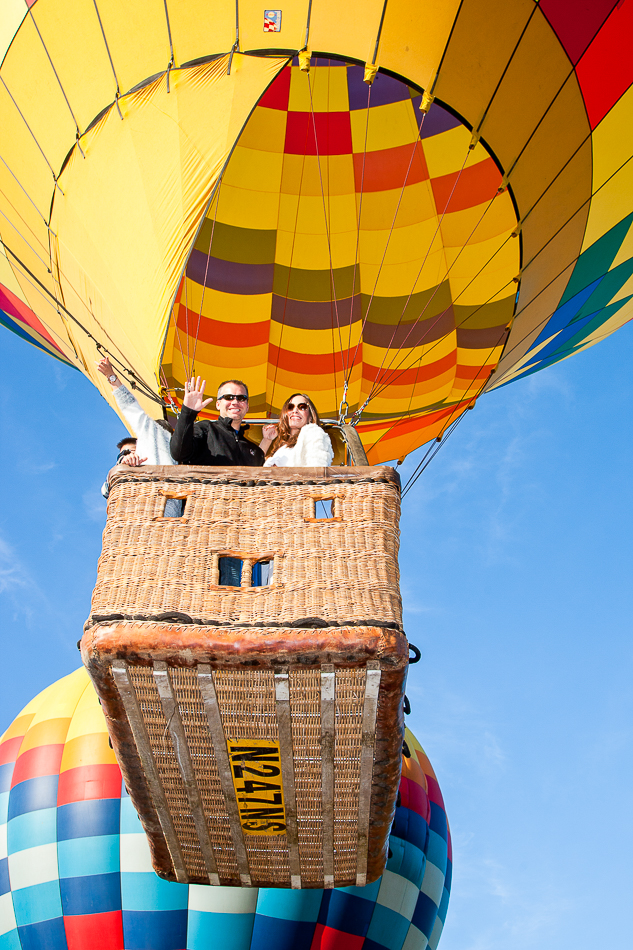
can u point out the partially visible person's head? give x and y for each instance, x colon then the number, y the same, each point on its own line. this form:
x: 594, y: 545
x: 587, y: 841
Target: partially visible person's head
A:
x: 128, y: 443
x: 165, y: 425
x: 296, y: 412
x: 232, y: 401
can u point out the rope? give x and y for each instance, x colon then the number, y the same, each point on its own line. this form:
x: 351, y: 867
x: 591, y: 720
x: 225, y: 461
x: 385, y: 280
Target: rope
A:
x: 461, y: 400
x: 138, y: 382
x: 356, y: 261
x: 30, y: 9
x: 391, y: 229
x: 382, y: 20
x: 476, y: 137
x: 563, y: 269
x: 15, y: 228
x: 206, y: 271
x: 292, y: 252
x: 327, y: 231
x: 428, y: 303
x: 32, y: 134
x: 171, y: 45
x: 379, y: 388
x: 12, y: 173
x: 50, y: 330
x: 24, y: 222
x: 519, y: 312
x: 116, y: 78
x: 443, y: 437
x: 309, y: 17
x: 187, y: 326
x: 505, y: 70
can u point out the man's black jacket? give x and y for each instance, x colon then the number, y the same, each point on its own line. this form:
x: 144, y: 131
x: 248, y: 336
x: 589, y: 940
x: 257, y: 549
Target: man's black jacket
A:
x: 212, y: 443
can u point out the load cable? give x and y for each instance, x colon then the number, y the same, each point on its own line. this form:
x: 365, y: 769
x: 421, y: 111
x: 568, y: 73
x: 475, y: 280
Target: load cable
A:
x: 206, y: 271
x: 292, y: 252
x: 137, y: 382
x: 30, y: 130
x: 391, y: 230
x: 59, y: 82
x: 443, y: 437
x: 429, y: 301
x: 357, y: 249
x: 116, y: 78
x: 333, y: 300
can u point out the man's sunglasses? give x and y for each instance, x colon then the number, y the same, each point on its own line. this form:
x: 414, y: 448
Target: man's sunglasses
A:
x: 230, y: 397
x: 300, y: 405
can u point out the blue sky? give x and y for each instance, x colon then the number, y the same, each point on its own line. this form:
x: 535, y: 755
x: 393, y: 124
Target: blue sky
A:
x: 516, y: 577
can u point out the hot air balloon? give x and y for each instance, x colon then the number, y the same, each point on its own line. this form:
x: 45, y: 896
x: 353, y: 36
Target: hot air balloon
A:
x: 75, y: 868
x: 397, y: 207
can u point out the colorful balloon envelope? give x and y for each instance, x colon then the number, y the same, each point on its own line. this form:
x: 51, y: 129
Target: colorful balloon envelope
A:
x: 75, y: 868
x: 435, y: 203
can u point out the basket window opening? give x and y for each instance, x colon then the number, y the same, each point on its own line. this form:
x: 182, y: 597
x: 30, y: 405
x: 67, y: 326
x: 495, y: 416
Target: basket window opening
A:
x: 174, y: 507
x: 324, y: 509
x: 262, y: 575
x: 231, y: 572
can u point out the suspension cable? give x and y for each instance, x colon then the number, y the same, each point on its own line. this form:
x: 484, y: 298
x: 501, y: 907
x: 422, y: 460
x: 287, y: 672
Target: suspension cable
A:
x: 435, y: 291
x: 59, y: 82
x: 206, y: 271
x: 138, y: 382
x: 391, y: 229
x: 379, y: 388
x: 327, y: 226
x: 292, y: 252
x: 30, y: 130
x: 357, y: 249
x: 444, y: 435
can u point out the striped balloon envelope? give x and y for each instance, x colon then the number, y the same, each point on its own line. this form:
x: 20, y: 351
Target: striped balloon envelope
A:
x: 75, y: 869
x: 397, y: 206
x: 324, y: 241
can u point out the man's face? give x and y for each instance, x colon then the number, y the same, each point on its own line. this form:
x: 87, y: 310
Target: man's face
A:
x: 128, y: 447
x: 232, y: 409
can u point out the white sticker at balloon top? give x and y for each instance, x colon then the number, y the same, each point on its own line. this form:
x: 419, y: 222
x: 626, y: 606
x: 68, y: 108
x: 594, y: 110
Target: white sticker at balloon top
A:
x: 272, y: 21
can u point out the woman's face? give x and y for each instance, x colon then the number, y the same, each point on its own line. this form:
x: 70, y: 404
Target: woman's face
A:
x: 298, y: 412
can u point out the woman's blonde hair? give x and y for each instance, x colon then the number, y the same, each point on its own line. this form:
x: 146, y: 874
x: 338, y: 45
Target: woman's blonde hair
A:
x: 284, y: 436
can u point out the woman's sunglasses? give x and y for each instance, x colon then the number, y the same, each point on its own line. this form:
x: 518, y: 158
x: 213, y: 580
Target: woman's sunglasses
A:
x: 300, y: 405
x: 230, y: 397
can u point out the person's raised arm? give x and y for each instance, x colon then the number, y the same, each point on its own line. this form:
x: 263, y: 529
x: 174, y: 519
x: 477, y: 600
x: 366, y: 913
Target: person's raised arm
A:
x: 105, y: 367
x: 183, y: 439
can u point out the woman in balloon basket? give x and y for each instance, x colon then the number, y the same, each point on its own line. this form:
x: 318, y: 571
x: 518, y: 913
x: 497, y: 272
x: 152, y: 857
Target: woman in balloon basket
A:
x: 297, y: 440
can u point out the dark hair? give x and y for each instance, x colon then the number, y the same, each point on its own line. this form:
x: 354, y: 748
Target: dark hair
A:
x: 284, y: 436
x: 126, y: 441
x: 164, y: 424
x: 236, y: 382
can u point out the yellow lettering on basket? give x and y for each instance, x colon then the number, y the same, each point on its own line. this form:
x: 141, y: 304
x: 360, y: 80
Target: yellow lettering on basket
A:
x: 256, y: 771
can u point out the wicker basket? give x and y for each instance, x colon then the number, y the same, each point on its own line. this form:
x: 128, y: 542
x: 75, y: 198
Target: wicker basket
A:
x: 258, y: 728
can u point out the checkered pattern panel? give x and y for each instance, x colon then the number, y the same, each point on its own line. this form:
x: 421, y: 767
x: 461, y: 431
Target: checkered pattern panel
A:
x: 75, y: 868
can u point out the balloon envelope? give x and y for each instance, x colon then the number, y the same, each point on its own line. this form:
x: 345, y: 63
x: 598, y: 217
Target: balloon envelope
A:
x: 190, y: 199
x: 75, y: 868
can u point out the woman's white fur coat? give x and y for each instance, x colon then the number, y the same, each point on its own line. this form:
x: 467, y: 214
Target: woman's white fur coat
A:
x: 313, y: 448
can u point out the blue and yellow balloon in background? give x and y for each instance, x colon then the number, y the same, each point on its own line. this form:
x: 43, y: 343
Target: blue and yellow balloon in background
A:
x: 75, y: 868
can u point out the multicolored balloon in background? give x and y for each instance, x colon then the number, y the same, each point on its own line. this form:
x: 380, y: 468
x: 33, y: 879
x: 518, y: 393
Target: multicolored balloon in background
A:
x: 75, y: 869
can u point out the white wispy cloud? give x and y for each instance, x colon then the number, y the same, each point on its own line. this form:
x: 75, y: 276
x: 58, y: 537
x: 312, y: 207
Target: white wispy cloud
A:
x: 17, y: 584
x: 29, y: 467
x: 12, y: 574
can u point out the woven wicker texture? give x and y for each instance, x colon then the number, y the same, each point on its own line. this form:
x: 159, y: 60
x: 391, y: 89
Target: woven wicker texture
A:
x: 247, y: 705
x: 163, y: 752
x: 341, y: 570
x: 204, y: 661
